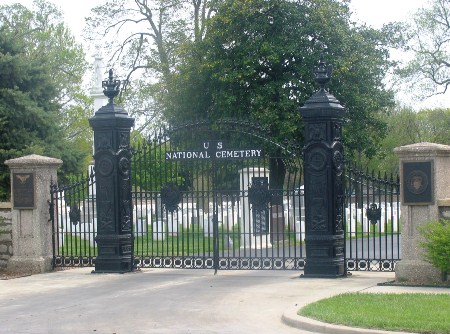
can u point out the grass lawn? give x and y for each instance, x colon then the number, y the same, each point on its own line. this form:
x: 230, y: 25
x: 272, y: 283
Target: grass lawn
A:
x: 416, y: 312
x: 188, y: 241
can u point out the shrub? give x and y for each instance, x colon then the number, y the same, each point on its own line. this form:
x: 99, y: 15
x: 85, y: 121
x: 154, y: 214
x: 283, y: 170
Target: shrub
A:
x: 436, y: 244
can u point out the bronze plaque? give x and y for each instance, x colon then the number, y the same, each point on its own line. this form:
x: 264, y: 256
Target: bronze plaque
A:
x: 417, y: 183
x: 23, y: 190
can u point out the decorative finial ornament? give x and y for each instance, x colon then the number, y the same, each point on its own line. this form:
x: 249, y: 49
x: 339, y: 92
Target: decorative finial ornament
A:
x: 322, y: 73
x: 111, y: 87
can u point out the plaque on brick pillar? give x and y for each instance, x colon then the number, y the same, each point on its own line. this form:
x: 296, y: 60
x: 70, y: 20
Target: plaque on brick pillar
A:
x: 417, y: 182
x: 23, y: 190
x: 112, y: 155
x: 323, y: 162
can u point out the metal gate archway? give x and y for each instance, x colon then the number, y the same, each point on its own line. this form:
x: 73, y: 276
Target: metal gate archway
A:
x: 217, y: 196
x: 194, y: 209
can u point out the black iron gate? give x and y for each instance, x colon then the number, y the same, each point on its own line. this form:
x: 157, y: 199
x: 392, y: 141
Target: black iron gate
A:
x: 219, y: 196
x: 372, y: 220
x: 225, y: 196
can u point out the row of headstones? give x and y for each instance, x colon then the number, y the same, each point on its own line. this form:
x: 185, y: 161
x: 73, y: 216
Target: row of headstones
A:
x: 228, y: 216
x: 164, y: 225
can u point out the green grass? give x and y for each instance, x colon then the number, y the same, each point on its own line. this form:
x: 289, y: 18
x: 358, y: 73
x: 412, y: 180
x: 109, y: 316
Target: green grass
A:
x: 75, y: 246
x: 188, y: 241
x: 374, y: 230
x: 417, y: 312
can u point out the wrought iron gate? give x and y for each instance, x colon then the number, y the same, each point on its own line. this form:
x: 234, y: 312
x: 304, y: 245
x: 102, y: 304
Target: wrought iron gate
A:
x: 372, y: 216
x: 225, y: 196
x: 211, y: 196
x: 74, y: 222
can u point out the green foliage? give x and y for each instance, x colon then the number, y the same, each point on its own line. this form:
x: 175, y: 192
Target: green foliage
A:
x: 406, y: 126
x: 436, y: 243
x: 255, y: 62
x: 252, y: 59
x: 150, y: 156
x: 41, y: 68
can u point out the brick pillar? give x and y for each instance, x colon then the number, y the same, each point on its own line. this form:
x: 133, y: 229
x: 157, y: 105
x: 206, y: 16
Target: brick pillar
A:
x: 425, y: 188
x: 31, y: 229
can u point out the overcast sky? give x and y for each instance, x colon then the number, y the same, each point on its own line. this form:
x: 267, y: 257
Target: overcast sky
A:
x: 371, y: 12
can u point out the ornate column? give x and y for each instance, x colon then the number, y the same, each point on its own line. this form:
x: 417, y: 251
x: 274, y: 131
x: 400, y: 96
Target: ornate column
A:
x: 111, y: 125
x: 324, y: 165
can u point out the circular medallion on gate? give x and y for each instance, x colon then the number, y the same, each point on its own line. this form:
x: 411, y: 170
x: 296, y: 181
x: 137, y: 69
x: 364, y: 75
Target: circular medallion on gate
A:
x: 171, y: 196
x: 386, y: 265
x: 351, y: 265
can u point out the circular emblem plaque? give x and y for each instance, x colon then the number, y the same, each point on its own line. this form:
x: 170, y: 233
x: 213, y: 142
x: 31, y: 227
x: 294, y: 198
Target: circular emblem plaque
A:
x: 417, y: 182
x: 317, y: 160
x: 105, y: 166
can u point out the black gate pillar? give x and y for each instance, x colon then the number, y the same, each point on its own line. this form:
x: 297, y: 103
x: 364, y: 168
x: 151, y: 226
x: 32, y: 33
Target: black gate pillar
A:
x: 324, y: 165
x: 111, y: 125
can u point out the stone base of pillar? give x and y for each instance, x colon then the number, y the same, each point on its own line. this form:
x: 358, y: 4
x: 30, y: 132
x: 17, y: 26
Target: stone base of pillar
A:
x: 27, y: 264
x: 113, y: 265
x: 334, y: 269
x: 114, y: 253
x: 417, y: 271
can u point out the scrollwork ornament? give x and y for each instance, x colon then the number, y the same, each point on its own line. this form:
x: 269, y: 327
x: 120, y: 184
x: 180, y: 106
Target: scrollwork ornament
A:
x: 338, y: 162
x: 124, y: 167
x: 171, y: 196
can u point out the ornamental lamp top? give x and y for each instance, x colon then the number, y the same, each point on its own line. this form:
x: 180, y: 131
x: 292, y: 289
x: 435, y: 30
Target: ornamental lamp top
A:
x: 111, y: 87
x: 322, y: 73
x: 322, y: 103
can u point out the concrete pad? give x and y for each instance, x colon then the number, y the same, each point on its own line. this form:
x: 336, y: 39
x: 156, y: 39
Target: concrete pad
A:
x: 169, y: 301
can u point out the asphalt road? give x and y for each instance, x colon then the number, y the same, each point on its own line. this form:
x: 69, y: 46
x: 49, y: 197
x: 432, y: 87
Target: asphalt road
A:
x: 163, y: 301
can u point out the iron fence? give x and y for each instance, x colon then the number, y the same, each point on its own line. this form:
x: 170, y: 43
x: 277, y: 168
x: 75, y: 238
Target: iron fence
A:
x: 193, y: 213
x: 372, y: 216
x: 74, y: 222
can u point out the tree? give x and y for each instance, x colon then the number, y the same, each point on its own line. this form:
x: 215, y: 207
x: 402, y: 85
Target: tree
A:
x: 406, y: 126
x: 146, y: 40
x: 41, y: 68
x: 256, y: 60
x: 427, y: 35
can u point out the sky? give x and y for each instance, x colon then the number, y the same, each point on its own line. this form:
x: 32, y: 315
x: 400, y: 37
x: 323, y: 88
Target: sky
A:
x: 372, y: 12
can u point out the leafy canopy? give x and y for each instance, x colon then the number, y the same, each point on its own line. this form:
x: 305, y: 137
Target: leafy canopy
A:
x: 41, y: 68
x: 256, y: 59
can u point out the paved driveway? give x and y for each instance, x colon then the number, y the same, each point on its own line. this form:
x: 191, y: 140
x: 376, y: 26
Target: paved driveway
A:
x: 163, y: 301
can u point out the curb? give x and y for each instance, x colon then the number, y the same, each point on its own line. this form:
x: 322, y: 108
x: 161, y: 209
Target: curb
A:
x: 292, y: 319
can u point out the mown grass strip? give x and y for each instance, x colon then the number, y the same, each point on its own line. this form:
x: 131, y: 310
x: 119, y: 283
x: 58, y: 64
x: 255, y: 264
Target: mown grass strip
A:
x: 417, y: 312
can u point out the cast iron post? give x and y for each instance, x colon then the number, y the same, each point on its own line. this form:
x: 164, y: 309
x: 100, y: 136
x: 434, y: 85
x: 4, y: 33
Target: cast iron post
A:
x: 324, y: 166
x: 111, y: 125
